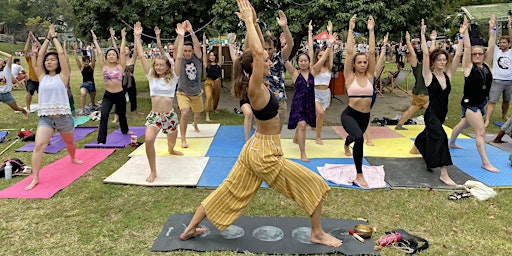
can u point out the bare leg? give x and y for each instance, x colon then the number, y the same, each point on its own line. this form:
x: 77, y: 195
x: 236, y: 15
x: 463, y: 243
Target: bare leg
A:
x: 92, y: 95
x: 504, y: 109
x: 116, y: 118
x: 149, y: 142
x: 28, y: 99
x: 207, y: 119
x: 444, y: 177
x: 489, y: 110
x: 475, y: 120
x: 301, y: 139
x: 463, y: 124
x: 71, y: 146
x: 197, y: 118
x: 361, y: 181
x: 318, y: 235
x: 183, y: 127
x: 368, y: 137
x: 15, y: 107
x: 192, y: 229
x: 407, y: 114
x: 43, y: 135
x: 320, y: 115
x: 414, y: 150
x: 83, y: 95
x: 171, y: 142
x: 499, y: 137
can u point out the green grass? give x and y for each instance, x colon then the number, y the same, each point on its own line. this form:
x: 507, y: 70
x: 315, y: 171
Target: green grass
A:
x: 92, y: 218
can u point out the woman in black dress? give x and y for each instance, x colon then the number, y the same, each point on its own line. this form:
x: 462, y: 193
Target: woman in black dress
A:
x: 432, y: 142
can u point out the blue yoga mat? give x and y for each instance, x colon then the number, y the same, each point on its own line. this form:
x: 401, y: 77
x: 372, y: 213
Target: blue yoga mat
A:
x: 216, y: 170
x: 498, y: 123
x: 3, y: 134
x: 470, y: 149
x: 56, y: 141
x: 472, y: 165
x: 228, y: 141
x: 117, y: 139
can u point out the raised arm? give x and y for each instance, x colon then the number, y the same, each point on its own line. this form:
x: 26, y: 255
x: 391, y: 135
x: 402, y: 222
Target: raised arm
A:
x: 195, y: 40
x: 137, y: 32
x: 219, y: 58
x: 158, y: 41
x: 178, y: 47
x: 509, y: 25
x: 283, y: 23
x: 122, y: 57
x: 371, y: 47
x: 349, y: 45
x: 427, y: 74
x: 101, y: 59
x: 489, y: 54
x: 382, y: 55
x: 205, y: 54
x: 63, y: 57
x: 326, y: 56
x: 311, y: 51
x: 413, y: 59
x: 66, y: 60
x: 291, y: 70
x: 458, y: 53
x: 9, y: 60
x: 39, y: 70
x: 77, y: 60
x: 232, y: 47
x: 113, y: 39
x: 27, y: 43
x: 467, y: 64
x: 433, y: 43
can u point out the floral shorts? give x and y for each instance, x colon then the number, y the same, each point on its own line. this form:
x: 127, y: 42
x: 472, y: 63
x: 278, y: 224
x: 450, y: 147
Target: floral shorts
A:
x: 167, y: 121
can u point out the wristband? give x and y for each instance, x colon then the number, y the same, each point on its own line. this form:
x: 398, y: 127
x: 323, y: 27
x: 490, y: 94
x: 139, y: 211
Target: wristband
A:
x: 494, y: 28
x: 461, y: 38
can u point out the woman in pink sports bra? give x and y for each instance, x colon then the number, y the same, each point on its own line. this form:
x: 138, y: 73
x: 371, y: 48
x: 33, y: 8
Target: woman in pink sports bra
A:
x: 359, y: 71
x: 114, y: 94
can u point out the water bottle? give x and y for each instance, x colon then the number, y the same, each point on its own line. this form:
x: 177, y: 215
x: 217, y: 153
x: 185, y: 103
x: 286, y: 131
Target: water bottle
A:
x: 8, y: 170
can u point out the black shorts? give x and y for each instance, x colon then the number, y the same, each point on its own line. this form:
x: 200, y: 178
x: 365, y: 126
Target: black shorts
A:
x: 32, y: 86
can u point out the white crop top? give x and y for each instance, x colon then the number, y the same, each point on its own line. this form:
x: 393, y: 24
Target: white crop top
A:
x: 53, y: 97
x: 323, y: 78
x: 159, y: 87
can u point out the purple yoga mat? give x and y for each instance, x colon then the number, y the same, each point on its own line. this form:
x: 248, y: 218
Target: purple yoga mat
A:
x: 116, y: 139
x: 56, y: 141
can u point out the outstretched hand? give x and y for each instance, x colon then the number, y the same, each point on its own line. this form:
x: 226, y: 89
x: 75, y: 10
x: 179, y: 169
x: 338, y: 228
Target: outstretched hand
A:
x: 112, y: 32
x: 352, y: 22
x: 282, y: 20
x: 371, y: 23
x: 464, y: 26
x: 93, y: 35
x: 329, y: 26
x: 180, y: 29
x: 433, y: 35
x: 137, y: 29
x: 407, y: 36
x: 492, y: 21
x: 385, y: 40
x: 331, y: 39
x: 245, y: 12
x: 310, y: 26
x: 232, y: 38
x: 423, y: 27
x: 123, y: 32
x: 157, y: 31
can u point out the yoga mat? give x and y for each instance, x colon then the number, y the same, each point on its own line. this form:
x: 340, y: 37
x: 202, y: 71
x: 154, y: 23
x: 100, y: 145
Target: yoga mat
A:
x: 470, y: 149
x: 498, y: 123
x: 413, y: 131
x: 171, y: 171
x: 320, y: 162
x: 412, y: 173
x: 376, y: 132
x: 472, y: 166
x: 56, y: 141
x: 228, y: 141
x: 117, y: 139
x: 330, y: 149
x: 57, y: 175
x: 396, y: 147
x: 205, y: 131
x: 327, y: 133
x: 268, y: 235
x: 216, y: 170
x: 196, y: 147
x: 3, y: 134
x: 81, y: 120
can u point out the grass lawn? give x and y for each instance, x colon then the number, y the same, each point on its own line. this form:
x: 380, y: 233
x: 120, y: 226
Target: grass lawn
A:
x: 92, y: 218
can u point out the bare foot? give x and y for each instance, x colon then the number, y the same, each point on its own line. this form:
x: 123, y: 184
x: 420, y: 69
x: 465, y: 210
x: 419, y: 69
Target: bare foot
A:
x: 195, y: 127
x: 25, y: 114
x: 370, y: 143
x: 319, y: 141
x: 151, y: 177
x: 447, y: 180
x: 184, y: 144
x: 130, y: 132
x: 175, y: 152
x: 499, y: 141
x: 490, y: 167
x: 304, y: 159
x: 414, y: 150
x: 325, y: 239
x: 453, y: 145
x: 486, y: 123
x: 347, y: 151
x: 77, y: 161
x: 360, y: 181
x: 295, y: 140
x: 504, y: 117
x: 192, y: 233
x: 114, y: 121
x: 32, y: 184
x: 208, y: 119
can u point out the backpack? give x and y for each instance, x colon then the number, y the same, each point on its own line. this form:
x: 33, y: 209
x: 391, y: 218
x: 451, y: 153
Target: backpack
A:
x: 17, y: 166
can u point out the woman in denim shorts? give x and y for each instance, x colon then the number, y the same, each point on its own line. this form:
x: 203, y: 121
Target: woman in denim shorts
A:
x: 54, y: 111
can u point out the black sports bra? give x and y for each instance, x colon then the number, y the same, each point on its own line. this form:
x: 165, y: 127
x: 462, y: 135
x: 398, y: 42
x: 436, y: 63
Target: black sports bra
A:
x: 269, y: 111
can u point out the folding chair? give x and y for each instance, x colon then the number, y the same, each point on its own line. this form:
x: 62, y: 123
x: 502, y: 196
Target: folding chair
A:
x: 396, y: 81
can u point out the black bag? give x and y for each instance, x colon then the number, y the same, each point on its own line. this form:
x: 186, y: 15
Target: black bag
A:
x: 17, y: 166
x: 410, y: 244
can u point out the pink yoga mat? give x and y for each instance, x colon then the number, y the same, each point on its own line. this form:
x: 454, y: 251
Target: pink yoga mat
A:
x: 57, y: 175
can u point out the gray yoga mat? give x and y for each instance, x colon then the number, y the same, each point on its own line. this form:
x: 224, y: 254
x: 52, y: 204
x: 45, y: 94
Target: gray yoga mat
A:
x: 270, y: 235
x: 328, y: 133
x: 413, y: 173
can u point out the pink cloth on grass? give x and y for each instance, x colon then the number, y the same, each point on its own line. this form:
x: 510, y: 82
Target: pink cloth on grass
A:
x: 345, y: 174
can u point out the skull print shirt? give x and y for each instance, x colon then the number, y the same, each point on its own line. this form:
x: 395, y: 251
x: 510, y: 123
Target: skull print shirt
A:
x: 190, y: 76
